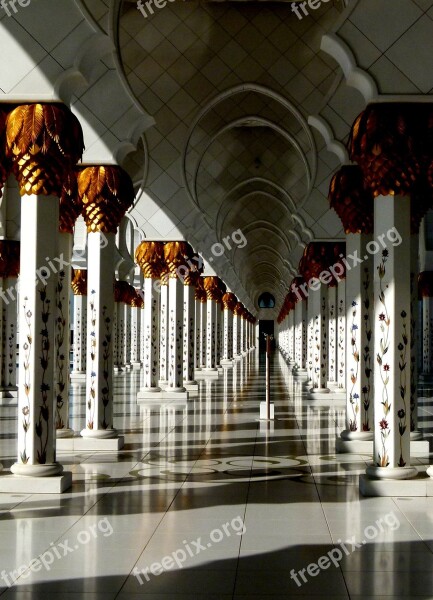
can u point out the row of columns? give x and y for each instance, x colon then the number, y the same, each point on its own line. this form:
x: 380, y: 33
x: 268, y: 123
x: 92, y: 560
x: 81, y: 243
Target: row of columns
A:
x: 381, y: 201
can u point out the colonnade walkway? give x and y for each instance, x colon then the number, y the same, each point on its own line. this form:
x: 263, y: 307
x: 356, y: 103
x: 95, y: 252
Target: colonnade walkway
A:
x: 207, y: 502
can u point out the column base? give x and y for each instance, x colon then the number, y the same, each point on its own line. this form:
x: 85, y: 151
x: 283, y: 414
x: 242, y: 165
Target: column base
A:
x: 365, y: 446
x: 99, y: 434
x: 128, y: 367
x: 136, y: 365
x: 150, y: 390
x: 418, y: 486
x: 175, y: 394
x: 10, y: 392
x: 391, y: 473
x: 78, y: 376
x: 64, y: 433
x: 226, y: 362
x: 118, y: 369
x: 48, y: 470
x: 416, y: 435
x: 90, y: 444
x: 430, y: 471
x: 318, y: 392
x: 175, y: 390
x: 208, y: 373
x: 22, y: 484
x: 263, y: 411
x: 191, y: 386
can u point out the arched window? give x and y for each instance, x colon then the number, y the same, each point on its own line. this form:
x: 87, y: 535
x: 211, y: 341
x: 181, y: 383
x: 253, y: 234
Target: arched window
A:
x: 266, y: 300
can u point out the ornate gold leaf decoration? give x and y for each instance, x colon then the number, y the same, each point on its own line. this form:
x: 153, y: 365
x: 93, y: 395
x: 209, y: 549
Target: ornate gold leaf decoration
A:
x: 425, y: 284
x: 5, y: 162
x: 229, y: 301
x: 106, y: 193
x: 137, y: 301
x: 200, y: 293
x: 214, y: 288
x: 70, y: 204
x: 45, y: 142
x: 239, y: 309
x: 9, y: 258
x: 352, y: 202
x: 79, y: 282
x: 121, y: 292
x: 178, y: 258
x: 150, y: 258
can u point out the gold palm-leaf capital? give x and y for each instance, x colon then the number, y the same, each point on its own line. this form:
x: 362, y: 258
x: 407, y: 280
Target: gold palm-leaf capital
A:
x: 44, y: 142
x: 229, y: 301
x: 106, y: 193
x: 9, y: 258
x: 214, y: 288
x: 79, y: 282
x: 150, y: 258
x: 200, y: 293
x: 178, y: 256
x: 70, y: 204
x: 351, y: 200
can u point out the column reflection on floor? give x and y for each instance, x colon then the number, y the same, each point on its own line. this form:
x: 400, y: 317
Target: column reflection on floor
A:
x: 229, y: 507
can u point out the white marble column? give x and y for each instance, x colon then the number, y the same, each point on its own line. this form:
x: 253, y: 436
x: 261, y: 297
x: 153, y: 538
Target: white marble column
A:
x: 301, y: 334
x: 391, y: 456
x: 426, y: 293
x: 332, y: 335
x: 128, y: 334
x: 137, y: 307
x: 359, y: 342
x: 415, y: 433
x: 36, y: 395
x: 163, y: 333
x: 230, y: 302
x: 151, y: 332
x: 291, y: 336
x: 341, y: 336
x: 62, y: 338
x: 100, y: 312
x: 319, y: 311
x: 175, y: 335
x: 189, y: 326
x: 203, y: 332
x: 79, y: 287
x: 236, y: 331
x: 211, y: 334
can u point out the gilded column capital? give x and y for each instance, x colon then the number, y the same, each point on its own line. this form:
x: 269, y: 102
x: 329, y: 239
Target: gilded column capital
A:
x: 106, y: 192
x: 229, y: 301
x: 386, y: 141
x: 150, y: 258
x: 178, y: 257
x: 121, y: 291
x: 200, y: 292
x: 5, y: 162
x: 70, y: 205
x: 44, y: 142
x: 137, y: 301
x: 195, y: 270
x: 352, y: 202
x: 317, y: 259
x: 214, y: 288
x: 425, y: 284
x: 79, y: 282
x: 9, y: 258
x: 131, y: 296
x: 296, y: 288
x: 238, y: 309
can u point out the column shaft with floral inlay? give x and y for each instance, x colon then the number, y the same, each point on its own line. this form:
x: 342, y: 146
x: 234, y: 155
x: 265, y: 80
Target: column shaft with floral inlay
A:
x: 215, y: 289
x: 385, y: 141
x: 106, y: 192
x: 150, y: 258
x: 177, y: 256
x: 229, y: 302
x: 79, y: 288
x: 70, y: 208
x: 44, y: 143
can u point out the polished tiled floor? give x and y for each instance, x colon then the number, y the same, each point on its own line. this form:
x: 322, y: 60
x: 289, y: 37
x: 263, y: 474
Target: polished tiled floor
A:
x: 238, y: 503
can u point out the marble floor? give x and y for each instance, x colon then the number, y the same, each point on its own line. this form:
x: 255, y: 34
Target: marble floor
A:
x: 207, y: 502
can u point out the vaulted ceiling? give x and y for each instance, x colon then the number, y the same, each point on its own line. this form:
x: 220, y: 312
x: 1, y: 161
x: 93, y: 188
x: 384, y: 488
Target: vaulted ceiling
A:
x: 228, y: 115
